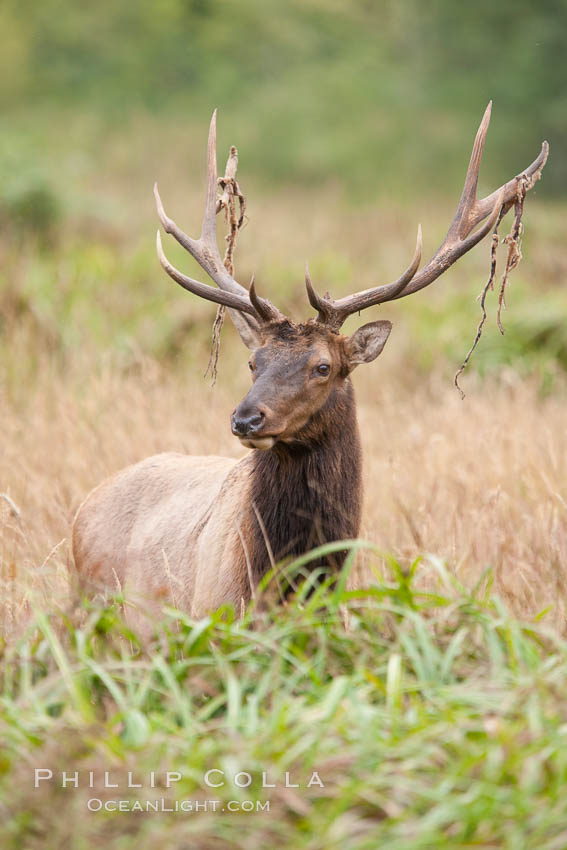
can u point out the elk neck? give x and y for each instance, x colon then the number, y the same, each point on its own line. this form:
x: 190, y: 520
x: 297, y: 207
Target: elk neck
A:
x: 308, y: 492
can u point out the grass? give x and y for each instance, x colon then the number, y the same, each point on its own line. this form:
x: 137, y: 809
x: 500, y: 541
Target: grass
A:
x: 480, y: 483
x: 432, y: 720
x: 428, y: 694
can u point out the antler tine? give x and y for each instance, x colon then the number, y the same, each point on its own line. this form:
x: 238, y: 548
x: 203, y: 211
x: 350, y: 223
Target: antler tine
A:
x: 460, y: 236
x: 266, y: 310
x: 530, y: 176
x: 468, y: 197
x: 205, y: 251
x: 335, y: 313
x: 203, y: 290
x: 209, y: 227
x: 377, y: 295
x: 322, y: 305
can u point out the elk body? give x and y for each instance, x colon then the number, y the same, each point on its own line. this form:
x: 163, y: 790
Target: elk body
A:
x: 198, y: 532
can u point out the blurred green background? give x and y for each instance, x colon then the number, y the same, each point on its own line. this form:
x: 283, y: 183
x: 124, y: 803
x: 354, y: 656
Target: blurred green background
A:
x: 314, y: 89
x: 334, y: 105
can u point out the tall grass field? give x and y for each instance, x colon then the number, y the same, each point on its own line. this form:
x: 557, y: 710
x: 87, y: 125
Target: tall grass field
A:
x: 426, y: 691
x: 419, y: 702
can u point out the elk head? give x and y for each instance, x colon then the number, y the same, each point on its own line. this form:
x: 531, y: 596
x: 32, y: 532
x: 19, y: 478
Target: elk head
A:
x: 296, y: 368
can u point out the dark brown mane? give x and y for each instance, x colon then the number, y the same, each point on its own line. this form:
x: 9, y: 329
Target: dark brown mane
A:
x: 308, y: 492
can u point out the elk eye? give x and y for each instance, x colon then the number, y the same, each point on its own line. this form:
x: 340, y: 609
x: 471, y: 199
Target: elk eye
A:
x: 251, y: 366
x: 323, y: 369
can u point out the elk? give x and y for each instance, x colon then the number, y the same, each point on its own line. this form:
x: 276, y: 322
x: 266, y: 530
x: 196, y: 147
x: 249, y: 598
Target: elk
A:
x: 199, y: 532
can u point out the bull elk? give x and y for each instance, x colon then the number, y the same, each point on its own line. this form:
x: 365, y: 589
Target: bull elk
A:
x: 202, y: 531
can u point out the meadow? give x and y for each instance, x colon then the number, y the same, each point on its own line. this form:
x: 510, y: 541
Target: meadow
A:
x: 427, y: 689
x: 427, y: 686
x: 104, y: 360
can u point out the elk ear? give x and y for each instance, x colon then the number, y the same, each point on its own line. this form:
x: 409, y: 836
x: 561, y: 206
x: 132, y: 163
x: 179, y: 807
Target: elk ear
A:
x: 247, y: 328
x: 367, y: 342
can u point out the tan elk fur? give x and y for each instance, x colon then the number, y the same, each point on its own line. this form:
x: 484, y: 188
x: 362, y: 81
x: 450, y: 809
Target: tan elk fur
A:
x: 155, y: 530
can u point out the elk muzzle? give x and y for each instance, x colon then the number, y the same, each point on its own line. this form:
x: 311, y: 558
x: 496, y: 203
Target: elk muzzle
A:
x: 247, y: 423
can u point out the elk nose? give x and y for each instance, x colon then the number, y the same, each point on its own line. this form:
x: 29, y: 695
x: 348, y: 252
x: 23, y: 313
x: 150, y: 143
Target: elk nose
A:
x: 242, y: 425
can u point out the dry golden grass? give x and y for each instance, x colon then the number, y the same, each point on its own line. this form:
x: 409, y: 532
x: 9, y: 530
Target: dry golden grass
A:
x: 479, y: 483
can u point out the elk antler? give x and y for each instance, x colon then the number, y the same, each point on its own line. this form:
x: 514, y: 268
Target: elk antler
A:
x: 247, y: 311
x: 458, y: 241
